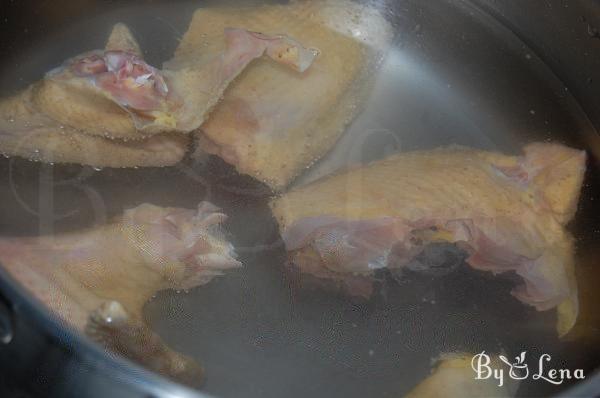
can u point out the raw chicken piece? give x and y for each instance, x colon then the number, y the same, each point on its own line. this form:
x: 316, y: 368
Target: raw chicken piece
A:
x: 27, y: 131
x: 453, y: 376
x: 114, y: 94
x: 127, y: 98
x: 508, y: 212
x: 98, y: 280
x: 273, y: 123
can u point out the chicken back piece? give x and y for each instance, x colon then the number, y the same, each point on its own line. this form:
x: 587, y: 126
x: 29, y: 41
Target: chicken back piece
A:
x: 509, y: 213
x: 113, y: 93
x: 98, y: 280
x: 273, y: 123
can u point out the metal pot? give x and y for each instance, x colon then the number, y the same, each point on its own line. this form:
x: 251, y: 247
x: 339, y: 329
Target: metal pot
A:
x: 475, y: 72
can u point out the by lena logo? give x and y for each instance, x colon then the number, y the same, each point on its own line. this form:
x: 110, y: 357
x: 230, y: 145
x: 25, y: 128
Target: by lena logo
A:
x: 485, y: 368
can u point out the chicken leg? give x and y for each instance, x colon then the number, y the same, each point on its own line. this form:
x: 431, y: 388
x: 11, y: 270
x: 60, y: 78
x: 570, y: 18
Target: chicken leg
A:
x: 98, y: 280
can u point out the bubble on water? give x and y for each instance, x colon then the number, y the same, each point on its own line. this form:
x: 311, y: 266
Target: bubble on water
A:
x: 11, y: 119
x: 96, y: 168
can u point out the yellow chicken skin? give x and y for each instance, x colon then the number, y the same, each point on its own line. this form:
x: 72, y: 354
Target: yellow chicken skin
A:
x: 98, y: 280
x: 272, y: 122
x: 110, y: 108
x: 51, y: 122
x: 508, y: 212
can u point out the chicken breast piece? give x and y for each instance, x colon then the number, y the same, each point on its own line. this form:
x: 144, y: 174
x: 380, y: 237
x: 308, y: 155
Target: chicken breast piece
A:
x: 273, y: 123
x: 453, y: 376
x: 509, y: 213
x: 98, y: 280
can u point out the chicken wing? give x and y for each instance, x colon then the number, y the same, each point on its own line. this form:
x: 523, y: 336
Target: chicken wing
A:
x: 273, y: 123
x: 509, y: 213
x: 98, y: 280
